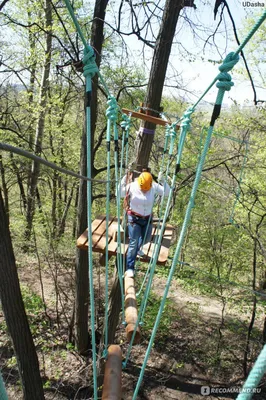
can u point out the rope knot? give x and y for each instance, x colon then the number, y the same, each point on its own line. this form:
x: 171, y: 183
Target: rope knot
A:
x: 89, y: 65
x: 112, y: 110
x: 186, y: 120
x: 229, y: 62
x: 172, y: 132
x: 225, y: 81
x: 126, y: 123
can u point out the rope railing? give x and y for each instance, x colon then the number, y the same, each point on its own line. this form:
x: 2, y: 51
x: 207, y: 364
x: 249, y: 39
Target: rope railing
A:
x: 224, y: 83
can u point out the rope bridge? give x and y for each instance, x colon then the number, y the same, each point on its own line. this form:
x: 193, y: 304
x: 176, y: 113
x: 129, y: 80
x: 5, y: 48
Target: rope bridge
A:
x: 100, y: 230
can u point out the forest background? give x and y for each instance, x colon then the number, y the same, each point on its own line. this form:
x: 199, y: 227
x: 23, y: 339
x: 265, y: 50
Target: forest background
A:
x: 42, y: 111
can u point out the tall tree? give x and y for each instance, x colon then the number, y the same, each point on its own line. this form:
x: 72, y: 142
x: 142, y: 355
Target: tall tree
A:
x: 35, y: 171
x: 82, y: 285
x: 15, y: 315
x: 160, y: 61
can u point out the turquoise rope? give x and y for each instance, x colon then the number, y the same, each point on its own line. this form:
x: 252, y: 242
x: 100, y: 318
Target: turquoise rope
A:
x: 3, y: 393
x: 114, y: 116
x: 251, y: 33
x: 151, y: 271
x: 108, y: 188
x: 170, y: 134
x: 240, y: 48
x: 89, y: 73
x: 223, y: 85
x: 170, y: 137
x: 255, y: 376
x: 185, y: 127
x: 148, y: 286
x: 85, y: 44
x: 170, y: 276
x: 126, y: 125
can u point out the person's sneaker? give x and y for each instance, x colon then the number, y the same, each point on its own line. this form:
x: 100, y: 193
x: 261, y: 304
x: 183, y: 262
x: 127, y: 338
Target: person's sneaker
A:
x: 141, y: 253
x: 129, y: 273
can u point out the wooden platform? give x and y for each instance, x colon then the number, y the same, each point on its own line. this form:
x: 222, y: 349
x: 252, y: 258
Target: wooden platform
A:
x: 99, y: 239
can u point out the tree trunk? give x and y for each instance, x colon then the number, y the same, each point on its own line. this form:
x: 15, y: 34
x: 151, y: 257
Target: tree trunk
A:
x: 35, y: 170
x: 157, y: 75
x: 17, y: 171
x: 82, y: 286
x: 62, y: 223
x: 254, y: 309
x: 82, y: 275
x: 15, y: 315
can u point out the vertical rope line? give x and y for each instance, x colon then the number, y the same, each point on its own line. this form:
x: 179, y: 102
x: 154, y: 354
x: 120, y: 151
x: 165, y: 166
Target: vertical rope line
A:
x: 118, y: 253
x: 89, y: 195
x: 126, y: 125
x: 175, y: 259
x: 3, y: 393
x: 254, y: 377
x: 168, y: 136
x: 148, y: 286
x: 87, y: 47
x: 160, y: 225
x: 108, y: 148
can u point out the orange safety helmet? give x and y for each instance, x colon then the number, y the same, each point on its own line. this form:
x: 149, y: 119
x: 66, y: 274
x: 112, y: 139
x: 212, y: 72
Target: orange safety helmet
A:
x: 145, y: 181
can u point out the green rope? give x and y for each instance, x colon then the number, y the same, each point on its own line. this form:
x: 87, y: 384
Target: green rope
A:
x: 3, y: 393
x: 240, y: 48
x: 170, y: 137
x: 223, y: 85
x: 254, y: 378
x: 89, y: 71
x: 170, y: 133
x: 88, y: 48
x: 151, y: 269
x: 185, y: 126
x: 24, y: 153
x: 126, y: 125
x: 108, y: 188
x: 112, y: 114
x: 252, y: 32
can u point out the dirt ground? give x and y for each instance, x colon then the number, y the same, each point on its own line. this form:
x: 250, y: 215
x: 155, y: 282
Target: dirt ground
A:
x: 198, y: 346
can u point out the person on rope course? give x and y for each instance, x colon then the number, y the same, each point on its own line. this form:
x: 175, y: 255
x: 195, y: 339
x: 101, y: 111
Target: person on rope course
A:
x: 139, y: 200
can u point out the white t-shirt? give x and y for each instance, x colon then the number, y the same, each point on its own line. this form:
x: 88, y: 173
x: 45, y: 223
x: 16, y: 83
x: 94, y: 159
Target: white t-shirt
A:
x: 142, y: 202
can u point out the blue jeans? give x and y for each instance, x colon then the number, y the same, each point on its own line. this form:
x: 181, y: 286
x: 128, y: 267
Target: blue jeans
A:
x: 137, y: 227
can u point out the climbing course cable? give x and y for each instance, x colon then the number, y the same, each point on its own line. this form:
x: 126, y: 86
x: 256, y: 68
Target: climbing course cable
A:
x: 89, y: 70
x: 224, y: 84
x: 24, y: 153
x: 254, y: 378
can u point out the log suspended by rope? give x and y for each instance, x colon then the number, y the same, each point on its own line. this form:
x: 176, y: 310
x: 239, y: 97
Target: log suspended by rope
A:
x: 112, y: 384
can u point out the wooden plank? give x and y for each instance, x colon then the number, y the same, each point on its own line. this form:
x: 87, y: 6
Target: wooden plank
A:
x: 99, y: 240
x: 99, y: 236
x: 82, y: 241
x: 145, y: 117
